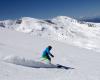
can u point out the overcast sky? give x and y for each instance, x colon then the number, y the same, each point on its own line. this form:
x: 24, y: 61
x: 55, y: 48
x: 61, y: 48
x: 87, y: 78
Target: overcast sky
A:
x: 12, y: 9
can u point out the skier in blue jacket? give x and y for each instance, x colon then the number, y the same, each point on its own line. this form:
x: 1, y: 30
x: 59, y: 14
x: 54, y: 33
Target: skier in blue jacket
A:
x: 46, y: 54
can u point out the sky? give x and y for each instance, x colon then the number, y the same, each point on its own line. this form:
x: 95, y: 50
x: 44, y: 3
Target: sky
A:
x: 45, y: 9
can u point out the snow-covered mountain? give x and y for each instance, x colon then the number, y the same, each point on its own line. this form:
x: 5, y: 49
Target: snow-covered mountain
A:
x: 62, y: 28
x: 95, y: 19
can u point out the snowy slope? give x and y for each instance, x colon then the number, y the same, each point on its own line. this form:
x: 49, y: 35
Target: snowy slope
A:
x: 29, y: 47
x: 61, y: 28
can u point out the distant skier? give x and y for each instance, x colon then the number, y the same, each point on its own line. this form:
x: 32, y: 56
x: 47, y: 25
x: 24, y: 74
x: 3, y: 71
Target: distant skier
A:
x: 47, y: 55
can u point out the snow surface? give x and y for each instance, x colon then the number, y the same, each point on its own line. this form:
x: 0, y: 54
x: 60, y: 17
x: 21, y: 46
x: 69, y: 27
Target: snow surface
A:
x: 20, y: 52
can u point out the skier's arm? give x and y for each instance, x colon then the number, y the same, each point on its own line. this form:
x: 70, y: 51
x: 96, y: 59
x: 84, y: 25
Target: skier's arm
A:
x: 51, y: 55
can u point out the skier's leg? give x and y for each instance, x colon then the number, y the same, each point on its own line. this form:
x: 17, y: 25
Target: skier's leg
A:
x: 49, y: 59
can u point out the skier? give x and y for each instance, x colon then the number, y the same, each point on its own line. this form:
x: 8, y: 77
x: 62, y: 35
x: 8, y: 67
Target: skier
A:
x: 46, y: 54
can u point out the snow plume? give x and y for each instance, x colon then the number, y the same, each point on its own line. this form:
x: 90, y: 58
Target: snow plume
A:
x: 27, y: 63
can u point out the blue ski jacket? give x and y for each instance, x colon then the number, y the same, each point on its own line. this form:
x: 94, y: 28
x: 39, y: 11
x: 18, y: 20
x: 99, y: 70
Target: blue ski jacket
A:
x: 46, y: 52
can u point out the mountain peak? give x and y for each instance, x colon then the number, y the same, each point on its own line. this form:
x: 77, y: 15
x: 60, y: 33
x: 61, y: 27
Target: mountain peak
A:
x: 63, y: 17
x: 28, y: 18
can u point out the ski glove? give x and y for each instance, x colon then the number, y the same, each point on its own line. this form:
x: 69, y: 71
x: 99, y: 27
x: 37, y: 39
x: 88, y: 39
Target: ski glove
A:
x: 52, y: 55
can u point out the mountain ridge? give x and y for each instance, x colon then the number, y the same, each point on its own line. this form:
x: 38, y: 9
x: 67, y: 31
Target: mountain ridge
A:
x: 95, y: 19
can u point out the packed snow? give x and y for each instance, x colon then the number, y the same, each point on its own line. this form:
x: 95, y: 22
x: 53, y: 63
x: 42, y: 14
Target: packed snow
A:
x: 20, y: 52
